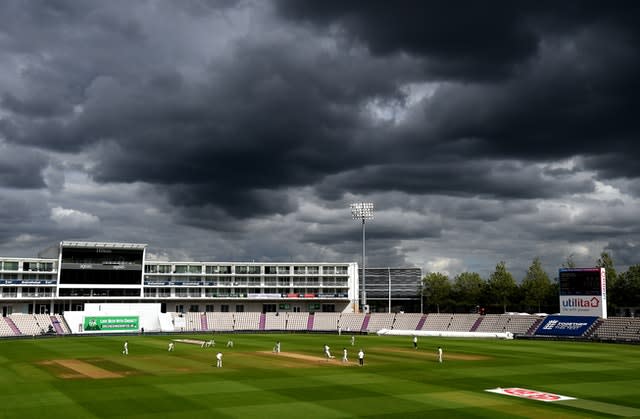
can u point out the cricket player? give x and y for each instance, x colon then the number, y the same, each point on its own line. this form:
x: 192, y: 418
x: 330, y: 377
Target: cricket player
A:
x: 345, y: 357
x: 171, y: 347
x: 415, y: 342
x: 327, y: 352
x: 361, y: 357
x: 276, y: 348
x: 353, y: 340
x: 219, y: 360
x: 439, y: 354
x: 229, y: 344
x: 125, y: 348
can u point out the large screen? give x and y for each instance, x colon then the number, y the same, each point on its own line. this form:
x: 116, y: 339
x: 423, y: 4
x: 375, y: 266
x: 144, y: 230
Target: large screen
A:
x: 99, y: 265
x: 583, y: 292
x: 583, y: 281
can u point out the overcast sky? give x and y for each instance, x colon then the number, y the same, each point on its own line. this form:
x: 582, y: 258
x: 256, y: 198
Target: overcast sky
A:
x: 242, y: 130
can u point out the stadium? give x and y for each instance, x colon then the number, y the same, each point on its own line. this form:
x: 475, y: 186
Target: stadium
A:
x: 68, y: 313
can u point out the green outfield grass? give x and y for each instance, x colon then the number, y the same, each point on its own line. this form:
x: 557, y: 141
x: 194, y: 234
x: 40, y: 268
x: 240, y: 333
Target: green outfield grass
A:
x: 63, y: 378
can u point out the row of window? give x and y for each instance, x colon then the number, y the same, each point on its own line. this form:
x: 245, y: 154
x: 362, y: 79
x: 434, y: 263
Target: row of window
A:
x: 198, y: 269
x: 252, y: 281
x: 45, y: 292
x: 243, y: 292
x: 246, y: 269
x: 37, y: 292
x: 11, y: 265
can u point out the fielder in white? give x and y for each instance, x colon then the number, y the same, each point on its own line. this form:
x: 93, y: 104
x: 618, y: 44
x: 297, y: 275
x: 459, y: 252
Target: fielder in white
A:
x: 345, y: 357
x: 125, y: 348
x: 171, y: 347
x: 440, y: 354
x: 219, y: 360
x: 327, y: 352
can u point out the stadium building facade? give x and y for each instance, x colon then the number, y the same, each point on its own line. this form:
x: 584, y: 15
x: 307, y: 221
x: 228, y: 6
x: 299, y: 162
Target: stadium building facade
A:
x: 66, y: 276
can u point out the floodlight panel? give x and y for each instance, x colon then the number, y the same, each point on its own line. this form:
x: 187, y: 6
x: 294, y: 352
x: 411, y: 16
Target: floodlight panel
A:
x: 362, y: 210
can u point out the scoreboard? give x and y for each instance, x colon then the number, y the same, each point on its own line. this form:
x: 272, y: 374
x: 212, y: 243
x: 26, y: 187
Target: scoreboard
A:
x: 583, y: 292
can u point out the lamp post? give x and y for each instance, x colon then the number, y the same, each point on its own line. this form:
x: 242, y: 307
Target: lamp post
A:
x: 363, y: 211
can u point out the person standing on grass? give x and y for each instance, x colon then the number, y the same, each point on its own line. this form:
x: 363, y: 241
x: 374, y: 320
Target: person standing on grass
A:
x: 344, y: 355
x: 361, y: 357
x: 353, y: 340
x: 440, y: 354
x: 415, y: 342
x: 276, y: 348
x: 125, y: 348
x: 219, y: 360
x: 171, y: 346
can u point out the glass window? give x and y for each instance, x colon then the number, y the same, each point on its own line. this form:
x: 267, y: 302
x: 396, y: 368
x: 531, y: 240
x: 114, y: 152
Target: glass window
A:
x: 270, y: 270
x: 283, y: 270
x: 195, y: 269
x: 284, y: 281
x: 313, y: 270
x: 218, y: 269
x: 10, y: 266
x: 242, y: 269
x: 328, y: 270
x: 299, y: 270
x: 181, y: 269
x: 254, y: 270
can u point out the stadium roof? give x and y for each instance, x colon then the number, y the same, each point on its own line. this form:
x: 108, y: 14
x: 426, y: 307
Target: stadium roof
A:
x: 103, y: 245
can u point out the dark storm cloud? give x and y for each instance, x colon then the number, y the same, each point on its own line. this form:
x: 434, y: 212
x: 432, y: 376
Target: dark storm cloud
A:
x: 460, y: 38
x: 489, y: 179
x: 574, y: 68
x: 231, y: 117
x: 21, y: 168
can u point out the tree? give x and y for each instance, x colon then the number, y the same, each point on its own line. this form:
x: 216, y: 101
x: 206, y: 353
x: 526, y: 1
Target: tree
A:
x: 468, y: 288
x: 627, y: 288
x: 536, y: 285
x: 436, y: 288
x: 606, y: 262
x: 569, y: 263
x: 501, y: 285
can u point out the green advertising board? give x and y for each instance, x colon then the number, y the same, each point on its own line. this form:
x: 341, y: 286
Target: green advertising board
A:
x: 110, y: 323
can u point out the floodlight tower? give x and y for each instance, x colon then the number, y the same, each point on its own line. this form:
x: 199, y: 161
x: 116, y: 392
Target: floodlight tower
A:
x: 363, y: 211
